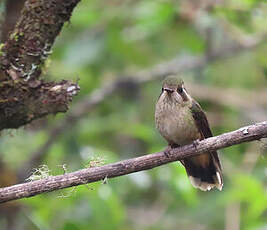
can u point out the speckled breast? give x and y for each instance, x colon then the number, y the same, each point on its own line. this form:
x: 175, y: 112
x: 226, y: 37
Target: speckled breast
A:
x: 176, y: 123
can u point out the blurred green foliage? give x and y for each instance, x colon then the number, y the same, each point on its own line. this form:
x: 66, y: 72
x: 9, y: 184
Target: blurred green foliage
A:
x: 107, y: 39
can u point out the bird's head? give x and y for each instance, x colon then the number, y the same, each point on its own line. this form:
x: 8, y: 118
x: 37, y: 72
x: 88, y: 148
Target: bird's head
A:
x: 173, y: 90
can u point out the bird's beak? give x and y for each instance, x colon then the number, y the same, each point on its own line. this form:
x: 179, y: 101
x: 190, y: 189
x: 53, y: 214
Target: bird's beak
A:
x: 168, y: 90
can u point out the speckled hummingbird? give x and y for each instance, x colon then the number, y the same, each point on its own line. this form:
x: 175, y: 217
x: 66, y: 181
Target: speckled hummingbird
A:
x: 180, y: 120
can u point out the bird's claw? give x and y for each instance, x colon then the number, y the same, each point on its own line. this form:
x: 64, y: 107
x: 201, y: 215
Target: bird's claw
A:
x: 167, y: 151
x: 169, y: 148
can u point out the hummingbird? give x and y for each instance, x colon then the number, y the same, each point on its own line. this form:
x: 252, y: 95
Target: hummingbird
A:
x: 180, y: 120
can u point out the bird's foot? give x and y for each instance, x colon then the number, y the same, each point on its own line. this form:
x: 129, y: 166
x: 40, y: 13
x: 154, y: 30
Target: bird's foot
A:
x: 195, y: 143
x: 169, y: 148
x: 167, y: 151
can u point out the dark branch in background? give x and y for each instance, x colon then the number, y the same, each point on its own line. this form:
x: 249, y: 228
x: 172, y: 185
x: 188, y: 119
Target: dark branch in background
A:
x: 88, y: 175
x: 236, y: 98
x: 23, y: 96
x: 177, y: 65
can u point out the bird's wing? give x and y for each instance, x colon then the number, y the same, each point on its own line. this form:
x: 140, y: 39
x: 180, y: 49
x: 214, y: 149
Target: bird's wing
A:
x: 201, y: 120
x: 204, y: 171
x: 203, y: 125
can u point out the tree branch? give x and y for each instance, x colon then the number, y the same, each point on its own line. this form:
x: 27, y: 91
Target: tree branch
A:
x: 88, y: 175
x: 21, y: 59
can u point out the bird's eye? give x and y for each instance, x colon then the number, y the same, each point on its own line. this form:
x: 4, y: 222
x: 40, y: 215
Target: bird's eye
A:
x: 180, y: 90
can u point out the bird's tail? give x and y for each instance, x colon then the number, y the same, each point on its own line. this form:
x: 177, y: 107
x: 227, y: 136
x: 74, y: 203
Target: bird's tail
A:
x: 204, y: 171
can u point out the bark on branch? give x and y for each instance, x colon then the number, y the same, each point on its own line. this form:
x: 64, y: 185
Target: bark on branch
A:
x: 22, y: 56
x: 88, y: 175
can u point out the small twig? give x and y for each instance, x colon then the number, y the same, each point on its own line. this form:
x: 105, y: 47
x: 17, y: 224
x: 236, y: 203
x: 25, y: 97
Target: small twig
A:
x: 88, y: 175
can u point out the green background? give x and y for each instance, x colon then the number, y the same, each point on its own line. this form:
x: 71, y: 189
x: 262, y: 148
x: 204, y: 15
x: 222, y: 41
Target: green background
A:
x: 107, y: 40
